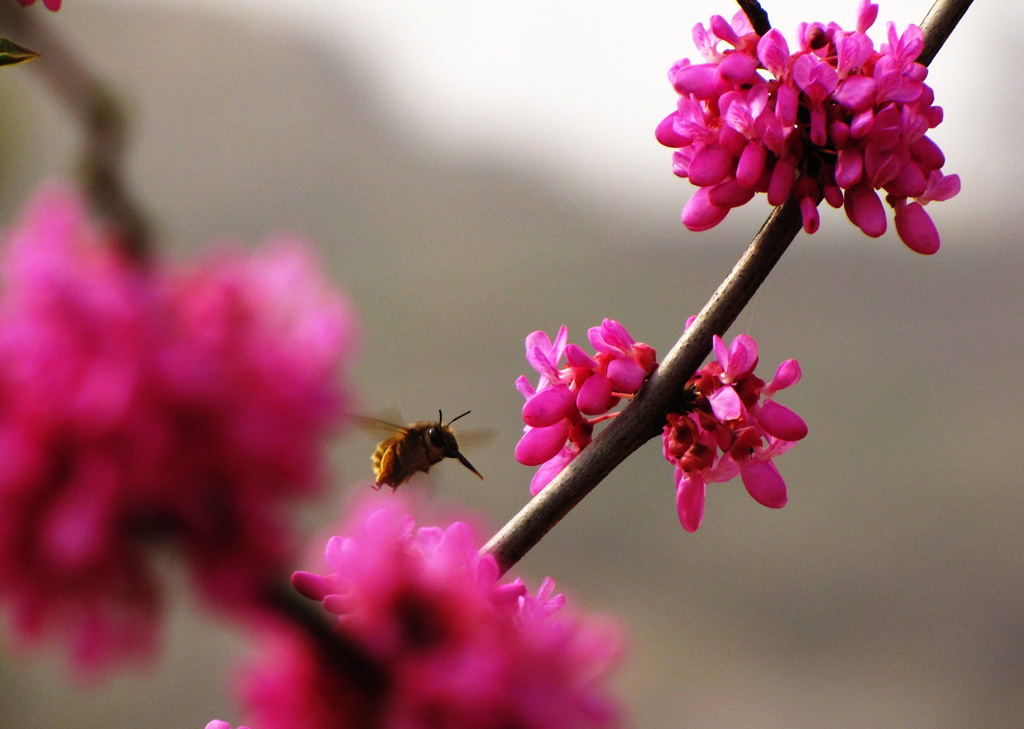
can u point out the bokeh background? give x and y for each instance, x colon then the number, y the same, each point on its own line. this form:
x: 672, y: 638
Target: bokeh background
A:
x: 474, y: 171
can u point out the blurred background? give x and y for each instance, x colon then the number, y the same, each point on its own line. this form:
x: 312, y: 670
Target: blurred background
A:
x: 474, y: 171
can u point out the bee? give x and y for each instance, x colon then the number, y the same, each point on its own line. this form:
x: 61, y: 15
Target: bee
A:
x: 414, y: 448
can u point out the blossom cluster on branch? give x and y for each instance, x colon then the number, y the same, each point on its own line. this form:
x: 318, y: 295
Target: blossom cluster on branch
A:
x: 147, y: 405
x: 734, y: 429
x: 456, y: 648
x: 835, y: 118
x: 726, y: 425
x: 557, y: 428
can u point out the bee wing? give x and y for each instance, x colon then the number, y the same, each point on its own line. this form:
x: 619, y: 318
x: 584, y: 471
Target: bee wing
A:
x: 376, y: 427
x: 475, y: 436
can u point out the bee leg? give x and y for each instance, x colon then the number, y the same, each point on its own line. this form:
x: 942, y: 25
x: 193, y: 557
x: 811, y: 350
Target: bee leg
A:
x: 386, y: 468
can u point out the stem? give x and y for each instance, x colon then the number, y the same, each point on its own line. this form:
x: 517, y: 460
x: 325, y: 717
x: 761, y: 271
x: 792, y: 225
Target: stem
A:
x: 644, y: 417
x: 99, y: 115
x: 756, y: 15
x: 345, y: 656
x: 938, y: 24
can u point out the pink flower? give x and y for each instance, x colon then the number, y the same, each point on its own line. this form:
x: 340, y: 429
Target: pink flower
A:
x: 74, y: 339
x: 625, y: 362
x: 555, y: 413
x: 836, y: 119
x: 53, y: 5
x: 728, y: 425
x: 733, y: 430
x: 458, y: 648
x: 145, y: 407
x: 247, y: 370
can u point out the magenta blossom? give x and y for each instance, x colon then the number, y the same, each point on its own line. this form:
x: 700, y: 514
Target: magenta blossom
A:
x: 834, y: 118
x: 728, y: 426
x: 555, y: 413
x: 457, y: 648
x: 733, y: 430
x: 151, y: 406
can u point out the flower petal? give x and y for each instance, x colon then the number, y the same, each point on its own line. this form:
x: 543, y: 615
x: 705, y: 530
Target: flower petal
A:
x: 667, y: 134
x: 726, y: 404
x: 773, y: 51
x: 311, y: 585
x: 626, y: 375
x: 916, y: 229
x: 710, y: 165
x: 698, y: 80
x: 780, y: 421
x: 554, y: 466
x: 699, y: 214
x: 541, y: 444
x: 690, y: 496
x: 548, y: 406
x: 786, y: 375
x: 595, y: 396
x: 742, y: 356
x: 764, y: 482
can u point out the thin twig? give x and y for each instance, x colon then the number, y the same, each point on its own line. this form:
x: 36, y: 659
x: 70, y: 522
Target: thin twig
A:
x: 756, y: 15
x: 644, y: 417
x: 343, y: 658
x: 350, y: 658
x: 96, y: 111
x: 938, y: 24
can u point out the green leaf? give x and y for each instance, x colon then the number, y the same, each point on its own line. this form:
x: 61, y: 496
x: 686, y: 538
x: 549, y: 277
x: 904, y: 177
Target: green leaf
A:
x: 11, y: 53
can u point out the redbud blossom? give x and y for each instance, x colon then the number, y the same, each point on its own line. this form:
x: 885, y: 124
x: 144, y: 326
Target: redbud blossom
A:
x: 834, y: 118
x: 733, y: 430
x: 457, y: 648
x: 557, y: 428
x: 729, y: 426
x: 151, y: 406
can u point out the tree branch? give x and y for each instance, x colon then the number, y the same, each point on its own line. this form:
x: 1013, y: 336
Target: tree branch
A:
x: 644, y: 417
x: 97, y: 112
x: 756, y: 15
x: 938, y: 24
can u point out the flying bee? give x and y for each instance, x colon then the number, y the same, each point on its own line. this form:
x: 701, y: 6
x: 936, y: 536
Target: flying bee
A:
x: 414, y: 448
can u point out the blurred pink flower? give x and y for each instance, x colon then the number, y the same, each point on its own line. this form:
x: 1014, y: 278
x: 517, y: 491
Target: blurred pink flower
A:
x: 834, y: 119
x: 143, y: 406
x: 247, y: 371
x: 75, y: 339
x: 458, y: 648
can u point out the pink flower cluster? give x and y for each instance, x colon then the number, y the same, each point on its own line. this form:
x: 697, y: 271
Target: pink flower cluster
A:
x: 730, y: 427
x: 144, y: 406
x: 459, y: 650
x: 733, y: 430
x: 53, y: 5
x: 557, y: 428
x: 835, y: 118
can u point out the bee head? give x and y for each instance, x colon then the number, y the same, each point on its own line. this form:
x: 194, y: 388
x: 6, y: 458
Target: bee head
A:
x: 442, y: 437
